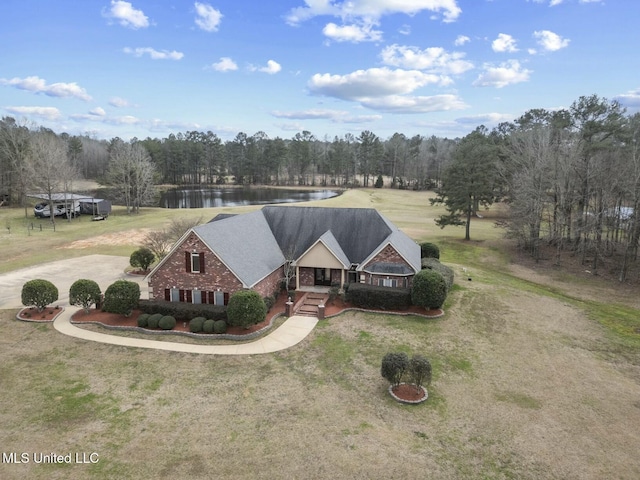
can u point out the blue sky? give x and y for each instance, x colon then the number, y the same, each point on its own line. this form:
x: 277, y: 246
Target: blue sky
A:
x: 430, y: 67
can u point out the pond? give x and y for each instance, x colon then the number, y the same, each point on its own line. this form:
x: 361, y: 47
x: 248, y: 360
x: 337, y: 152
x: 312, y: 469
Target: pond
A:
x: 191, y: 197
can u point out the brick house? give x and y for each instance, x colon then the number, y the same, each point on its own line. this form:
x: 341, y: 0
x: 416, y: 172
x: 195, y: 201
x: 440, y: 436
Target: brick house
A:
x: 324, y: 247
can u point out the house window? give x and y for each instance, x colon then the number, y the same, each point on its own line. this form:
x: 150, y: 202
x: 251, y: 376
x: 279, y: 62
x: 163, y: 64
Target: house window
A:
x: 218, y: 298
x: 194, y: 262
x: 387, y: 282
x: 175, y: 295
x: 197, y: 296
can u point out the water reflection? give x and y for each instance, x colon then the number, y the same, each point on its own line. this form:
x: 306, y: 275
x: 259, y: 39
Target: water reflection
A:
x: 232, y: 197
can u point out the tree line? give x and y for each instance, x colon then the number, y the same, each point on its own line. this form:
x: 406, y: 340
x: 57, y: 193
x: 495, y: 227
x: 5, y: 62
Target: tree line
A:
x: 571, y: 177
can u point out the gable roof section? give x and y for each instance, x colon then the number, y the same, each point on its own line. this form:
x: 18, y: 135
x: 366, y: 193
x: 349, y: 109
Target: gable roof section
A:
x: 357, y: 231
x: 330, y: 242
x: 402, y: 243
x: 245, y: 244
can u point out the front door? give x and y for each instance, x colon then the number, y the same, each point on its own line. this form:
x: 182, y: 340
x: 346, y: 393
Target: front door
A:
x: 322, y: 276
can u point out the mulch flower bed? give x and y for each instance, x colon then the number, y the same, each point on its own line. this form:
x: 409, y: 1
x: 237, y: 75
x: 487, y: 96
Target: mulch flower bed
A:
x: 335, y: 307
x: 32, y: 314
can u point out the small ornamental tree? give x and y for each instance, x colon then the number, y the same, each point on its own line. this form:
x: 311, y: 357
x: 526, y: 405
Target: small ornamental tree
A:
x: 39, y: 293
x: 419, y: 371
x: 85, y: 293
x: 121, y: 297
x: 429, y: 289
x: 393, y: 367
x: 246, y: 308
x: 142, y: 258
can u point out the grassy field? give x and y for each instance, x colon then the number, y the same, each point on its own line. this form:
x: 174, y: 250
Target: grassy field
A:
x: 535, y: 377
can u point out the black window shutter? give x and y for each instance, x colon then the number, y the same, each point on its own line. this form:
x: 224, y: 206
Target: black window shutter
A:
x: 189, y: 297
x: 181, y: 295
x: 187, y: 261
x: 226, y: 298
x: 201, y: 262
x: 203, y: 297
x: 167, y: 294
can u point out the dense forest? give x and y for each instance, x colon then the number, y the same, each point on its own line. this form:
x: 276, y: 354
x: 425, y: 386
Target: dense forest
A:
x: 571, y: 177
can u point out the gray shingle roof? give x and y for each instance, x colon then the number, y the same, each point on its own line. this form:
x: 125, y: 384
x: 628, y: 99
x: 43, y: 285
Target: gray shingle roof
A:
x: 245, y: 244
x: 253, y: 245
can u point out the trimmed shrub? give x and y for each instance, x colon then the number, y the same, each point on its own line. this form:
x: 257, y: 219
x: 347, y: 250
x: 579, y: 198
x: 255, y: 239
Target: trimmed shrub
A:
x: 85, y: 293
x: 393, y: 367
x: 143, y: 320
x: 219, y: 326
x: 121, y: 297
x: 39, y: 293
x: 195, y: 325
x: 167, y: 322
x: 419, y: 371
x: 142, y: 258
x: 183, y: 311
x: 429, y: 289
x: 429, y: 250
x: 246, y: 308
x: 384, y: 298
x: 154, y: 320
x: 446, y: 272
x: 208, y: 325
x: 269, y: 302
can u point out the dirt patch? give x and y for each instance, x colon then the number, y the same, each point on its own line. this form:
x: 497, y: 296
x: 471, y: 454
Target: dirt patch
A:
x: 129, y: 237
x: 32, y: 314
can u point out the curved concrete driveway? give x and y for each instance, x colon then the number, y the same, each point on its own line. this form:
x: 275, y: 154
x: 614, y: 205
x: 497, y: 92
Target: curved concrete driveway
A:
x: 106, y: 269
x: 291, y: 332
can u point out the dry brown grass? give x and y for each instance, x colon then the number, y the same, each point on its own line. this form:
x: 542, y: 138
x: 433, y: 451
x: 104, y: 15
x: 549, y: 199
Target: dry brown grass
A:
x: 527, y: 385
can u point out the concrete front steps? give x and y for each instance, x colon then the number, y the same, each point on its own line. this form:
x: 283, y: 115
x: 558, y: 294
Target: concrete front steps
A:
x: 308, y: 304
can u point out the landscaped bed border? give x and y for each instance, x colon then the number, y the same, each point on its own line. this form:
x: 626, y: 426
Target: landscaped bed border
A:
x: 22, y: 318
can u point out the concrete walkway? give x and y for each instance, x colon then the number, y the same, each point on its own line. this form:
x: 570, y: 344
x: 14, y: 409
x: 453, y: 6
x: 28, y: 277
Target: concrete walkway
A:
x: 290, y: 333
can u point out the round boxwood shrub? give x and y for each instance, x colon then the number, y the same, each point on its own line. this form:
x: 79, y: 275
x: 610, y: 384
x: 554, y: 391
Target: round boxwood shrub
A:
x: 429, y: 250
x: 195, y: 324
x: 39, y: 293
x: 393, y: 367
x: 85, y: 293
x: 445, y: 271
x: 154, y: 320
x: 246, y: 308
x: 420, y: 371
x: 429, y: 289
x: 143, y: 320
x: 207, y: 326
x: 121, y: 297
x: 219, y: 326
x: 167, y: 322
x: 142, y: 258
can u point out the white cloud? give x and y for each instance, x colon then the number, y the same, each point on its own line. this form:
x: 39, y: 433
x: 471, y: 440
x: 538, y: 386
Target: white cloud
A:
x: 225, y: 64
x: 434, y: 59
x: 415, y: 104
x: 49, y: 113
x: 507, y: 73
x: 372, y: 9
x: 124, y: 120
x: 119, y: 102
x: 504, y: 43
x: 550, y: 41
x: 630, y: 99
x: 272, y: 68
x: 208, y: 18
x: 98, y: 112
x: 405, y: 30
x: 154, y: 54
x: 39, y: 85
x: 461, y: 40
x: 374, y: 82
x: 126, y: 15
x: 336, y: 116
x: 486, y: 119
x: 352, y: 33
